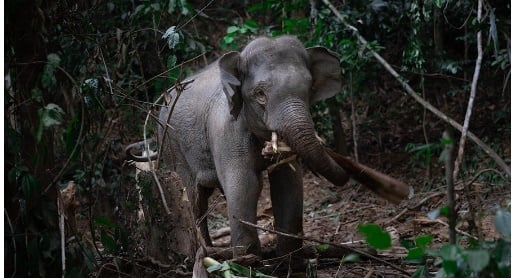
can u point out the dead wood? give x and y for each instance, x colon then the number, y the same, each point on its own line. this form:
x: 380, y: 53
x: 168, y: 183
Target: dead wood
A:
x: 489, y: 151
x: 335, y: 245
x: 383, y: 185
x: 167, y: 237
x: 199, y: 271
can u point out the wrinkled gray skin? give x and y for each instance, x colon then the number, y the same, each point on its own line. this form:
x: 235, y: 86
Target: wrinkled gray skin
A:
x: 222, y: 118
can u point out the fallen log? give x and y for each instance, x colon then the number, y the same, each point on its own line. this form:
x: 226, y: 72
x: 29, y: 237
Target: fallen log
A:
x: 383, y: 185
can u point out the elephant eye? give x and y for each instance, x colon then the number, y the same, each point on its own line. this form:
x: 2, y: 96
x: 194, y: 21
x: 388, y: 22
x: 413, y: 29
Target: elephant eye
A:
x: 260, y: 96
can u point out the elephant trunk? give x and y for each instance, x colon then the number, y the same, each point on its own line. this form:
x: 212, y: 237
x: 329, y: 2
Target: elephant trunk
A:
x: 297, y: 129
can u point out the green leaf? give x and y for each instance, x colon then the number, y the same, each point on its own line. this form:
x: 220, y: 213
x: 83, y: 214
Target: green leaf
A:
x: 450, y: 267
x: 450, y: 255
x: 477, y: 259
x: 49, y: 115
x: 251, y: 24
x: 239, y: 269
x: 449, y: 252
x: 172, y: 37
x: 438, y: 3
x: 228, y: 39
x: 52, y: 115
x: 71, y: 134
x: 48, y: 76
x: 232, y: 29
x: 108, y: 241
x: 501, y: 255
x: 437, y: 212
x: 29, y: 185
x: 375, y: 236
x: 102, y: 221
x: 502, y: 223
x: 322, y: 247
x: 415, y: 255
x: 213, y: 268
x: 408, y: 244
x: 53, y: 59
x: 351, y: 258
x: 421, y: 272
x: 171, y: 6
x: 423, y: 241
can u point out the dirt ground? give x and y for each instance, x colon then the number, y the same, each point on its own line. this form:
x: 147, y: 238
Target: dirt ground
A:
x: 332, y: 214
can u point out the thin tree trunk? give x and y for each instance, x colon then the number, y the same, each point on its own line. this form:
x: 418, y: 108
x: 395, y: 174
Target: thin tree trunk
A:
x: 473, y: 90
x: 449, y: 147
x: 500, y: 162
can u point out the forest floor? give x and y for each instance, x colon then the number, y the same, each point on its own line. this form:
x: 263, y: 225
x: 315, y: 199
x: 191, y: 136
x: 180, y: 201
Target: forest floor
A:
x: 332, y: 214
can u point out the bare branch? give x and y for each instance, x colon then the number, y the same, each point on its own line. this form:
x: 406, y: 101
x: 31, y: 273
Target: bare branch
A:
x: 364, y: 254
x: 502, y: 164
x: 473, y: 90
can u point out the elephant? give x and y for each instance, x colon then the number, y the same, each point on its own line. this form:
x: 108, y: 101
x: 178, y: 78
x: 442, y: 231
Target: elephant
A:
x: 221, y: 119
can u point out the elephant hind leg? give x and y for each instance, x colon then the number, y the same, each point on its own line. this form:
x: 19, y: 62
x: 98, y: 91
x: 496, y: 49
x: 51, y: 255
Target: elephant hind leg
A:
x: 201, y: 206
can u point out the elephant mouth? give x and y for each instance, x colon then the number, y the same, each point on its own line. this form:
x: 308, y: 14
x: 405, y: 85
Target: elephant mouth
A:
x: 278, y: 152
x: 276, y: 148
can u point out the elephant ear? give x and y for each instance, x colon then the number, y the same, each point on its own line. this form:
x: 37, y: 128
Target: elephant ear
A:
x: 228, y: 65
x: 326, y: 73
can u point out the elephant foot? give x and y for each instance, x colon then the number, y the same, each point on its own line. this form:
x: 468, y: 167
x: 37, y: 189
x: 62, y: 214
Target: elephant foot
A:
x: 290, y: 266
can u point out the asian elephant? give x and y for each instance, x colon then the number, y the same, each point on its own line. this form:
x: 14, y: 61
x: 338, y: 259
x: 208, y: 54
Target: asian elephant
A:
x: 224, y: 115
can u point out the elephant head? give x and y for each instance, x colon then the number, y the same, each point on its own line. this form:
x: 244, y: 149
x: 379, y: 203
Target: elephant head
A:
x: 272, y: 83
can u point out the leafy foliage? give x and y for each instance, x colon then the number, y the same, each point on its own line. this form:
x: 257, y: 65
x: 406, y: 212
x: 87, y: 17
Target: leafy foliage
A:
x: 483, y: 259
x: 77, y: 92
x: 65, y: 115
x: 375, y: 236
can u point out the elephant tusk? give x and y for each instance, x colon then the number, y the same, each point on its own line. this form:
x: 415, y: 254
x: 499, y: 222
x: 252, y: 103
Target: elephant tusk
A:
x: 275, y: 149
x: 278, y: 151
x: 274, y: 141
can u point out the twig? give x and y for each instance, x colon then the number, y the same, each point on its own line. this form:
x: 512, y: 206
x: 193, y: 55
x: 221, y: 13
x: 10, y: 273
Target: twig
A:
x: 353, y: 119
x: 472, y: 211
x: 60, y: 210
x: 502, y: 164
x: 326, y: 242
x: 283, y: 161
x: 179, y: 87
x: 451, y: 202
x: 473, y: 90
x: 414, y: 206
x: 152, y: 169
x: 457, y: 230
x: 79, y: 138
x: 13, y: 241
x: 370, y: 272
x: 210, y: 209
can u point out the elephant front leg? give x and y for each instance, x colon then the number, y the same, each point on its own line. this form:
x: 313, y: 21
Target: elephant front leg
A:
x: 242, y: 189
x: 286, y: 192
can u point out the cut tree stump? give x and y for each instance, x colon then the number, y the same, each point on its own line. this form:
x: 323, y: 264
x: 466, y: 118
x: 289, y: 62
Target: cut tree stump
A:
x: 166, y: 239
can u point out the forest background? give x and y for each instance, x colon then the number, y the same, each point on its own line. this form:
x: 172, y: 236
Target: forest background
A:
x: 80, y: 77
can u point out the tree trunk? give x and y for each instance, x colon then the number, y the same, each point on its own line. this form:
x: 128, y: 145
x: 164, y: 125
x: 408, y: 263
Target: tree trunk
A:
x: 340, y: 144
x: 167, y: 238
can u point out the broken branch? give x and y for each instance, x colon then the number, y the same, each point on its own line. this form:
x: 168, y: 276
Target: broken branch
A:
x: 364, y: 254
x: 500, y: 162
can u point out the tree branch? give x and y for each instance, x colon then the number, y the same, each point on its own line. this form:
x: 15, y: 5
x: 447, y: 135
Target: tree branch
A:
x: 500, y: 162
x: 364, y: 254
x: 473, y: 90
